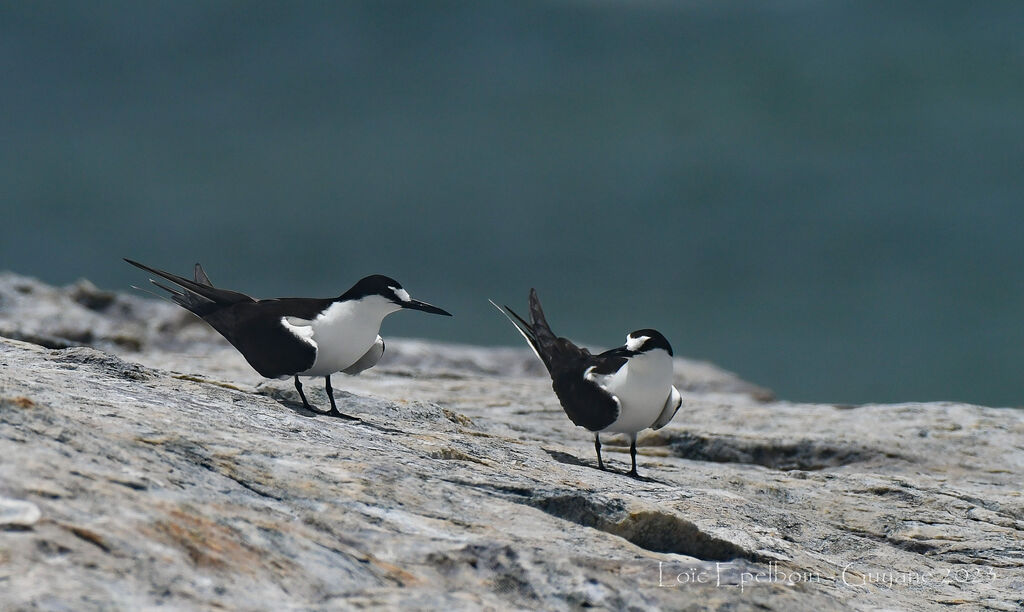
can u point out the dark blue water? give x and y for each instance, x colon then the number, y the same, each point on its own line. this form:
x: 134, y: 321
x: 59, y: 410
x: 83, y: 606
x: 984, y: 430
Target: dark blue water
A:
x: 822, y: 196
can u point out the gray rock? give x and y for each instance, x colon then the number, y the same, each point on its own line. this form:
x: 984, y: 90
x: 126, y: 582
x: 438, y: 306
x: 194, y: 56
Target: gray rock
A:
x: 167, y: 473
x: 15, y: 513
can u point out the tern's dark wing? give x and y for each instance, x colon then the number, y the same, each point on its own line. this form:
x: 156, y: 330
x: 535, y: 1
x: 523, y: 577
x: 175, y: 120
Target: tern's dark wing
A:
x: 257, y: 331
x: 201, y: 276
x: 611, y: 361
x: 253, y: 327
x: 584, y: 401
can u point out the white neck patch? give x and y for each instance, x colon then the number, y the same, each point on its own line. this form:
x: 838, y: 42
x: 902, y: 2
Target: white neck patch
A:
x: 634, y: 344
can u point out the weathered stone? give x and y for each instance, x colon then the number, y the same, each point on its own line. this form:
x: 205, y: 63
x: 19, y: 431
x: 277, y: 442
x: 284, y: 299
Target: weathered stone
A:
x: 167, y: 473
x: 16, y: 513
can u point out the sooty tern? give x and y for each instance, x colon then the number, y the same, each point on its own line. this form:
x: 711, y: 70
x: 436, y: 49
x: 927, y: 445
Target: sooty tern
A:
x: 298, y: 336
x: 623, y: 390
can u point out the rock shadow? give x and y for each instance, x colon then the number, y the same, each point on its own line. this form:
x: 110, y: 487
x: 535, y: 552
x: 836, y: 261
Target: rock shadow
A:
x: 650, y: 529
x: 806, y: 454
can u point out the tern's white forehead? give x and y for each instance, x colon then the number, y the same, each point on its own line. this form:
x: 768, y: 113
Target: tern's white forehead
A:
x: 401, y: 293
x: 634, y: 343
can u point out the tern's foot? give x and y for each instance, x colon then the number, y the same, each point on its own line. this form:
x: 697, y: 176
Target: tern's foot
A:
x: 334, y: 412
x: 632, y: 474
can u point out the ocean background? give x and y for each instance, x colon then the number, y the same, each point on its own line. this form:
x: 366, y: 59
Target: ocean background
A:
x: 822, y: 196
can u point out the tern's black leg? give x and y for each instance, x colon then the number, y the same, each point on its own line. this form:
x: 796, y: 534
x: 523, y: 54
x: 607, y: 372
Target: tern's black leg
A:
x: 334, y: 407
x: 305, y: 403
x: 597, y: 447
x: 632, y: 455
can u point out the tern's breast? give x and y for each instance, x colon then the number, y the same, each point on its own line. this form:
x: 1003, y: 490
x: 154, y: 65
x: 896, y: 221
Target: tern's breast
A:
x: 342, y: 334
x: 642, y: 387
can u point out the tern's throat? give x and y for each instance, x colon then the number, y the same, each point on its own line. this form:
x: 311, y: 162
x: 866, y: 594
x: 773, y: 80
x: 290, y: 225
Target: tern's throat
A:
x: 356, y: 321
x: 654, y: 364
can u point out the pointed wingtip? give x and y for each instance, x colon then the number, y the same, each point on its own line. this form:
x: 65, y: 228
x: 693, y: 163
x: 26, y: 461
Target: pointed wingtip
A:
x: 136, y: 264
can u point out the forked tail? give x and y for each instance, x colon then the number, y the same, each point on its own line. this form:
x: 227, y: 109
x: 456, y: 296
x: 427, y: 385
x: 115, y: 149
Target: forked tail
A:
x: 538, y: 334
x: 199, y: 296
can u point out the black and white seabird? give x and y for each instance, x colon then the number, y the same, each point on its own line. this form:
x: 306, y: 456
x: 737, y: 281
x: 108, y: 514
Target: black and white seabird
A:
x: 623, y: 390
x: 298, y: 336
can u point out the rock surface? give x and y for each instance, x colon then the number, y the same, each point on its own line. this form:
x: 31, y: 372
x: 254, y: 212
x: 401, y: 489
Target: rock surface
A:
x: 144, y: 464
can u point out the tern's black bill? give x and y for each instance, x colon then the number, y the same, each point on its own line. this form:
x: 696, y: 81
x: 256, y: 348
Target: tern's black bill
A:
x: 425, y: 307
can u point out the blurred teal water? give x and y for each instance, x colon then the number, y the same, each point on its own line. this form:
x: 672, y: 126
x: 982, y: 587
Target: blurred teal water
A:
x: 822, y: 196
